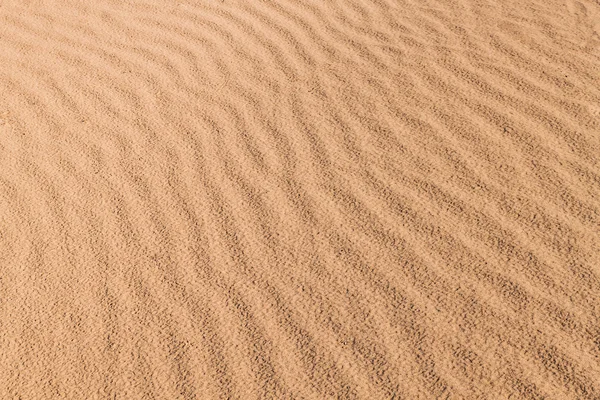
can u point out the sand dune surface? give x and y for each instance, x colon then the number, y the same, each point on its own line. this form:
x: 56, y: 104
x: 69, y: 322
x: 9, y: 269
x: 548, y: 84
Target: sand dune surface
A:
x: 300, y: 199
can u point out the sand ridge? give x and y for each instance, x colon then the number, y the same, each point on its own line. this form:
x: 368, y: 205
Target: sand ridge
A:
x: 298, y: 199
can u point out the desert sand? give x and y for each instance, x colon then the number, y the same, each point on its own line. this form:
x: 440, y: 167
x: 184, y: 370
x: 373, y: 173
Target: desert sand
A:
x: 300, y: 199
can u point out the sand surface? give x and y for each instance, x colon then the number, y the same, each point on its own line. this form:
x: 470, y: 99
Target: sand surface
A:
x: 300, y: 199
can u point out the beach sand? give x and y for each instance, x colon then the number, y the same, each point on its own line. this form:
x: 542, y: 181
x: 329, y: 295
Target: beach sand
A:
x: 300, y: 199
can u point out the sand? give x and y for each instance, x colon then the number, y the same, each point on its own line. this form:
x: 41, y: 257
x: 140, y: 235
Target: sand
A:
x: 300, y: 199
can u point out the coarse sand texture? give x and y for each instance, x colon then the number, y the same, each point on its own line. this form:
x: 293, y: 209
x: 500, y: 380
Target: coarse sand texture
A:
x: 299, y: 199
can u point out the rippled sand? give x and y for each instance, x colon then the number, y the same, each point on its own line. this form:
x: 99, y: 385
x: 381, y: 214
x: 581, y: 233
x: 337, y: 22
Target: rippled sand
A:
x: 300, y: 199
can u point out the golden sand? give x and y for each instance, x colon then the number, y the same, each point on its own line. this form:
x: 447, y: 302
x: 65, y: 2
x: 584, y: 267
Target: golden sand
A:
x: 300, y: 199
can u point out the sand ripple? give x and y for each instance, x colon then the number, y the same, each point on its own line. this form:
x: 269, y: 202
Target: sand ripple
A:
x: 297, y: 199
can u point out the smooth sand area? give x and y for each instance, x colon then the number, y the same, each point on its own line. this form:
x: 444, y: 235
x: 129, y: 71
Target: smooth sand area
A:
x: 299, y: 199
